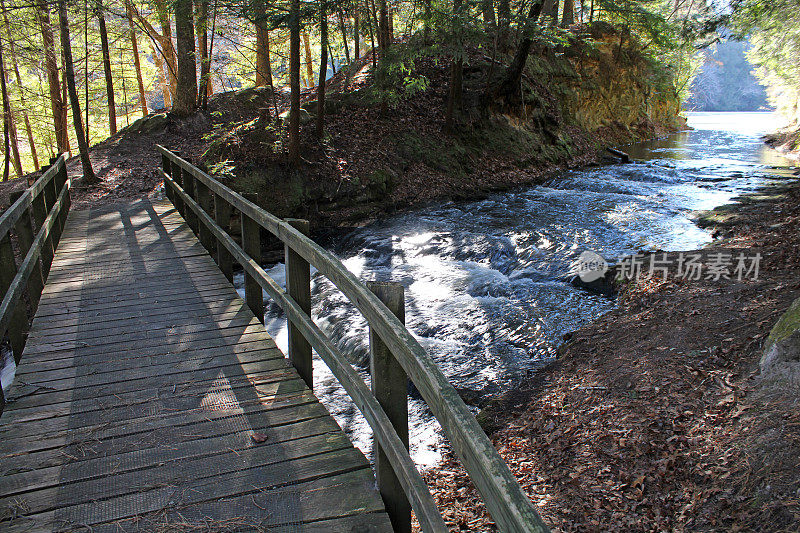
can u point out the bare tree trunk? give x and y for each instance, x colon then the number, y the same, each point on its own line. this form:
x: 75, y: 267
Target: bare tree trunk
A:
x: 136, y: 61
x: 69, y: 72
x: 294, y: 83
x: 309, y: 64
x: 25, y: 117
x: 551, y: 9
x: 509, y: 85
x: 487, y: 9
x: 343, y: 28
x: 428, y: 10
x: 57, y: 104
x: 18, y: 79
x: 263, y: 68
x: 568, y: 16
x: 112, y: 108
x: 323, y: 67
x: 356, y: 33
x: 8, y: 119
x: 205, y: 60
x: 504, y: 21
x: 456, y: 70
x: 65, y: 99
x: 372, y: 18
x: 163, y: 75
x: 185, y: 101
x: 383, y: 26
x: 163, y: 54
x: 210, y: 84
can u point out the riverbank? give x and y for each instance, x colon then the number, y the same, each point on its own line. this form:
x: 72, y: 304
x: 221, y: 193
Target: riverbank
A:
x: 655, y: 416
x: 786, y: 141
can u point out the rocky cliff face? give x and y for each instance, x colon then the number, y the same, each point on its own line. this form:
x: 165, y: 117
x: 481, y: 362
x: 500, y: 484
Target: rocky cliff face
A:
x: 607, y: 83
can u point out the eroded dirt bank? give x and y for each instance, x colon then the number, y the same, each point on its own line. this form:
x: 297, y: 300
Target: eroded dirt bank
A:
x: 655, y: 417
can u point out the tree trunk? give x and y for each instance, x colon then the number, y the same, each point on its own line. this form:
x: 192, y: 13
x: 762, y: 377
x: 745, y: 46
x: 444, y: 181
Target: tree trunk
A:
x: 509, y: 85
x: 309, y: 63
x: 371, y: 17
x: 136, y: 62
x: 27, y: 120
x: 163, y: 76
x: 323, y: 67
x: 69, y: 72
x: 64, y: 98
x: 383, y: 26
x: 487, y: 8
x: 263, y: 68
x: 568, y: 17
x: 7, y: 124
x: 551, y: 9
x: 185, y: 100
x: 456, y: 70
x: 504, y: 21
x: 112, y: 108
x: 356, y: 33
x: 343, y: 28
x: 205, y: 60
x: 57, y: 104
x: 428, y: 10
x: 163, y: 54
x: 294, y: 83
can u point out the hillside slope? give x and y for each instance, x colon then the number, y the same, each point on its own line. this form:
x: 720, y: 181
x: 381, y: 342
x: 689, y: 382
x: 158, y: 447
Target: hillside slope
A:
x: 597, y: 89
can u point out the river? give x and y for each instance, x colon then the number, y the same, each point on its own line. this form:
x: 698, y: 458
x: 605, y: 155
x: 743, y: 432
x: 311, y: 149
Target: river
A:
x: 484, y: 280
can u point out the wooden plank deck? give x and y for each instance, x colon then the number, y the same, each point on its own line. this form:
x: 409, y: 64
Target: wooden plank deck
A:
x: 142, y: 381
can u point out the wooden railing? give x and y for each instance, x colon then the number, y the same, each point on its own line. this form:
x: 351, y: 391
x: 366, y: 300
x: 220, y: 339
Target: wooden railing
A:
x: 34, y: 221
x: 208, y: 206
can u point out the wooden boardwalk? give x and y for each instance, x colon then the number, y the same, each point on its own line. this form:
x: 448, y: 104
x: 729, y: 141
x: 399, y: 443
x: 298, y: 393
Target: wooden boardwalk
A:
x: 143, y: 382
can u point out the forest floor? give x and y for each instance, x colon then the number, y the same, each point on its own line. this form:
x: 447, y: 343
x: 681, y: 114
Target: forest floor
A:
x: 655, y: 417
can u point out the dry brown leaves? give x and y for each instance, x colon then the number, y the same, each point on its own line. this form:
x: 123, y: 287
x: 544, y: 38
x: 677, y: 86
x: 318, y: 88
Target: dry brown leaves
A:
x: 654, y: 418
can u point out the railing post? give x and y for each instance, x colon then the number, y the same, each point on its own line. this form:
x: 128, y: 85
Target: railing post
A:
x: 19, y: 318
x: 251, y: 244
x: 41, y: 208
x: 175, y: 174
x: 222, y: 216
x: 25, y: 237
x: 189, y: 187
x: 52, y: 196
x: 298, y: 286
x: 390, y: 387
x: 166, y: 167
x: 204, y: 199
x: 60, y: 180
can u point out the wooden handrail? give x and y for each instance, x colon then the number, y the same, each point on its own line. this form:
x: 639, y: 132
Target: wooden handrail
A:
x: 507, y: 503
x: 52, y: 209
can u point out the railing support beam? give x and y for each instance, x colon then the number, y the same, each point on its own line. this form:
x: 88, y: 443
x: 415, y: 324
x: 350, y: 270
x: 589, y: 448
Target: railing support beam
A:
x: 25, y: 236
x: 298, y: 286
x: 251, y: 244
x: 222, y: 216
x: 390, y: 387
x: 19, y: 318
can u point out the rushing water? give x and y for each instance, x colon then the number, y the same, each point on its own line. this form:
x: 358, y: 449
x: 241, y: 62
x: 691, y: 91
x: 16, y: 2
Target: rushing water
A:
x: 485, y: 289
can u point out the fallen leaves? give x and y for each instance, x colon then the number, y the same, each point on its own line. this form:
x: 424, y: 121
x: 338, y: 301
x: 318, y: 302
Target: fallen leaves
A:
x: 653, y: 420
x: 259, y: 438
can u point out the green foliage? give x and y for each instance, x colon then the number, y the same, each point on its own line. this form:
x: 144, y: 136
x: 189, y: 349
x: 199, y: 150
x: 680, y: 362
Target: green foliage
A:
x: 396, y: 78
x: 774, y: 30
